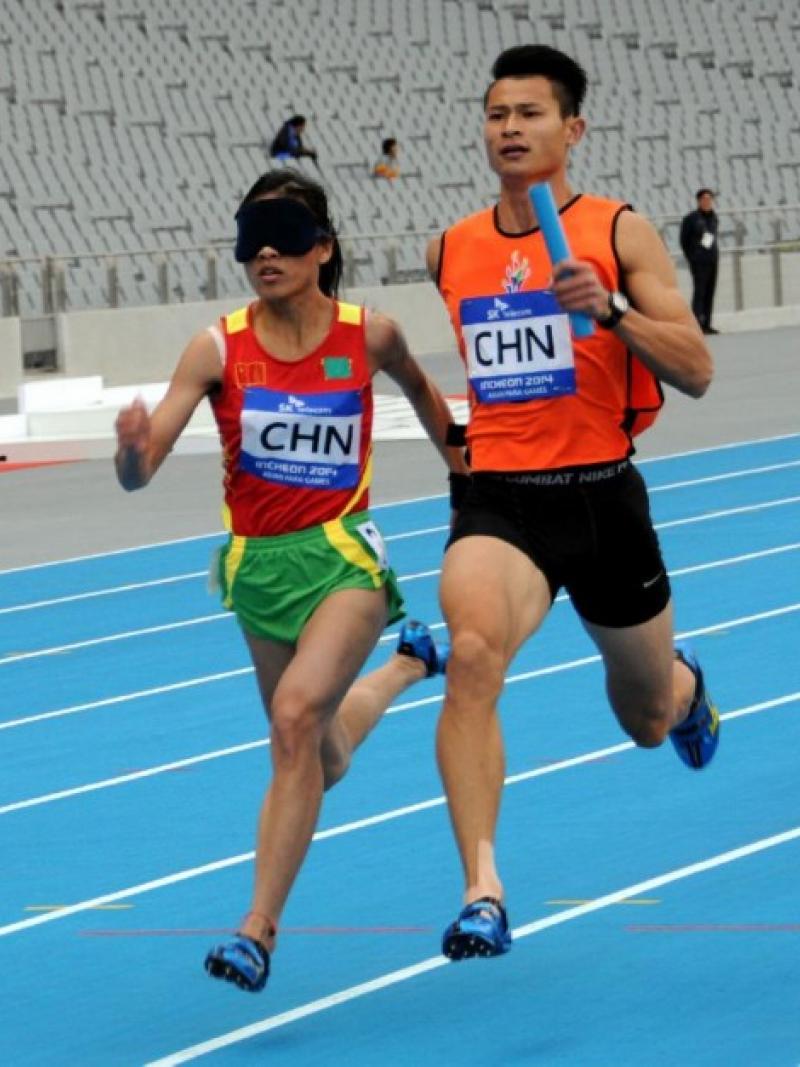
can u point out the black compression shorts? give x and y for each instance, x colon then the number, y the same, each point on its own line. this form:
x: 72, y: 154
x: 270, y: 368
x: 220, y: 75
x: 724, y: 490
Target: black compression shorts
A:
x: 588, y: 530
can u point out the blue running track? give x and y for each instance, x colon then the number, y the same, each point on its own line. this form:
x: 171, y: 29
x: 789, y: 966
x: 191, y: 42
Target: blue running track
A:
x: 655, y: 909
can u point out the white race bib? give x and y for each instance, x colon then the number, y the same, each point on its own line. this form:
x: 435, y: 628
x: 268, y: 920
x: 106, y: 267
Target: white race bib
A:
x: 311, y: 440
x: 518, y: 346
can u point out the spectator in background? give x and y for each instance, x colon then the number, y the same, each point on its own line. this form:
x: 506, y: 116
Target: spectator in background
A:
x: 387, y: 166
x: 288, y: 141
x: 701, y: 248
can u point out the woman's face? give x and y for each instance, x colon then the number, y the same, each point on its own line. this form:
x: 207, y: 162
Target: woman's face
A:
x: 276, y: 276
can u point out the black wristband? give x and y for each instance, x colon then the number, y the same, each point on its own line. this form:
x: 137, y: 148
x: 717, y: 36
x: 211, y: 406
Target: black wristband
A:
x: 456, y: 435
x: 459, y: 484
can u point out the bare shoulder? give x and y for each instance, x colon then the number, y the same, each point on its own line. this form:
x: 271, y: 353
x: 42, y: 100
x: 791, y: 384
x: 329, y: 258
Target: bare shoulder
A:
x: 637, y: 240
x: 386, y: 344
x: 382, y: 332
x: 433, y: 254
x: 202, y: 359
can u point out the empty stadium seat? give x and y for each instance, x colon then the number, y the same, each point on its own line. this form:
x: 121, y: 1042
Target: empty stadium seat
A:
x: 127, y: 126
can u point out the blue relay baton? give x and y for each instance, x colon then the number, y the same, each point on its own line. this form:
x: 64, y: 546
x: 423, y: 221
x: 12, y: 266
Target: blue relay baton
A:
x: 557, y: 248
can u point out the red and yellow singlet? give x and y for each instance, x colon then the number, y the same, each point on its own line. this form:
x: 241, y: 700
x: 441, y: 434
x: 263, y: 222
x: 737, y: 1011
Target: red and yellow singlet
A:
x: 296, y: 437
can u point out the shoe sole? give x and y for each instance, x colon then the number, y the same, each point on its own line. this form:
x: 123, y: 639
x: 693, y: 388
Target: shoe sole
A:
x: 228, y: 973
x: 694, y: 746
x: 468, y: 947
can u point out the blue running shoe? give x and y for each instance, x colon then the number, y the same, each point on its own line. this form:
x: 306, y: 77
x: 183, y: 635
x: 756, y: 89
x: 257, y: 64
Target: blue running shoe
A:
x: 480, y: 930
x: 415, y: 640
x: 697, y: 737
x: 243, y: 961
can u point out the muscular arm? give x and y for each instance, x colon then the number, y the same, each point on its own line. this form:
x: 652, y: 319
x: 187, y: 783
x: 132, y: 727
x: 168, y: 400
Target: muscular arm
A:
x: 387, y: 351
x: 144, y: 440
x: 660, y: 327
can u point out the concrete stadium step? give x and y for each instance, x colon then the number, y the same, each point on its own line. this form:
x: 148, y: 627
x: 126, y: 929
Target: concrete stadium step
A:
x: 73, y: 418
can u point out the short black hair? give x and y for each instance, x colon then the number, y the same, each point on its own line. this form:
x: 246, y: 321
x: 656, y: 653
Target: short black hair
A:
x: 702, y: 192
x: 295, y: 185
x: 297, y: 120
x: 567, y: 77
x: 387, y: 145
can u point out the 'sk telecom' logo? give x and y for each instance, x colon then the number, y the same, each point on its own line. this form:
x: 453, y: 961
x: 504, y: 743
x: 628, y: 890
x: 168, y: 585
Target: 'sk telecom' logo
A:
x: 293, y: 403
x: 499, y: 306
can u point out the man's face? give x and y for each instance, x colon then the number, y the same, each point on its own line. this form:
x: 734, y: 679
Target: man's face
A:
x: 525, y: 134
x: 706, y: 202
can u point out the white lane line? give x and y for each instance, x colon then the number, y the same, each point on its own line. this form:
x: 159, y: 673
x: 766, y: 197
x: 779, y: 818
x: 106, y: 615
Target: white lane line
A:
x: 314, y: 1007
x: 730, y: 561
x: 132, y: 776
x: 391, y: 504
x: 745, y: 509
x: 707, y: 479
x: 75, y: 709
x: 234, y: 750
x: 346, y: 828
x: 111, y: 590
x: 55, y: 650
x: 216, y: 616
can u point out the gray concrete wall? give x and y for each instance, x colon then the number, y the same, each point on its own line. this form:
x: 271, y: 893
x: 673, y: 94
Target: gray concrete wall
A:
x: 129, y: 345
x: 10, y: 357
x: 133, y: 345
x: 418, y: 309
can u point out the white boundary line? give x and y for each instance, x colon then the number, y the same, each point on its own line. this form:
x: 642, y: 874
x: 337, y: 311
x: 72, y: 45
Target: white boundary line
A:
x: 395, y: 503
x: 345, y: 828
x: 706, y: 449
x: 216, y: 616
x: 363, y: 989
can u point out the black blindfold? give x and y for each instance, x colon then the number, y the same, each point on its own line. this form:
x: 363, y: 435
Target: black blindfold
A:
x: 281, y: 223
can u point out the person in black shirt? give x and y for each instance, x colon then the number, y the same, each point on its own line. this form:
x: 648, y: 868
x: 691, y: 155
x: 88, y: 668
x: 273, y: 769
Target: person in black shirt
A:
x: 701, y: 248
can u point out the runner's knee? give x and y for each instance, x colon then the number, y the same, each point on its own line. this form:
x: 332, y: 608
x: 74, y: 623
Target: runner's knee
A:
x: 476, y: 666
x: 296, y: 727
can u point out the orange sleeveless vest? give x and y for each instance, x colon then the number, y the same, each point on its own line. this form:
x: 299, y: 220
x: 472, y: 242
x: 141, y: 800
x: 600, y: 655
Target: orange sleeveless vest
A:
x: 581, y: 416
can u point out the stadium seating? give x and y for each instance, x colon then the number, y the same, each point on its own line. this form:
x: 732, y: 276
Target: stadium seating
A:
x: 128, y: 126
